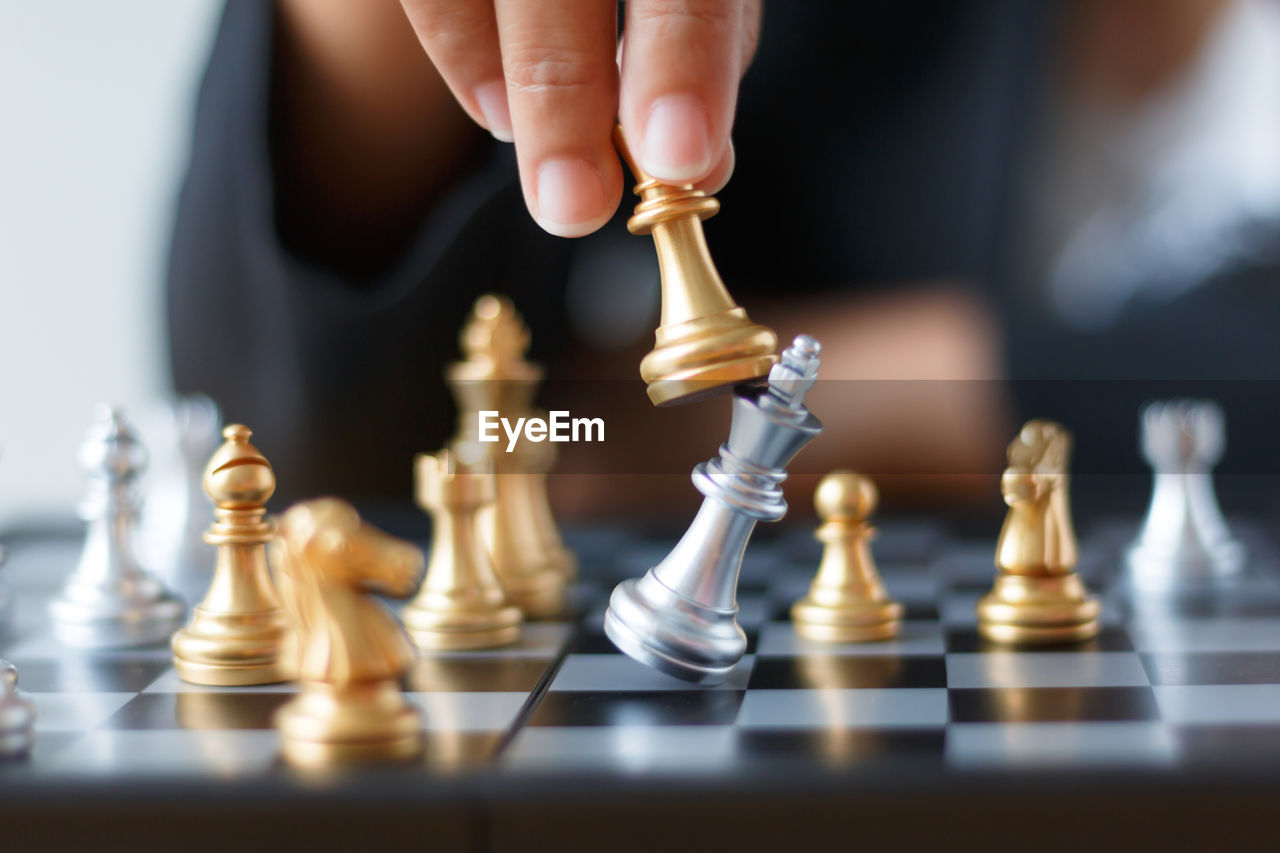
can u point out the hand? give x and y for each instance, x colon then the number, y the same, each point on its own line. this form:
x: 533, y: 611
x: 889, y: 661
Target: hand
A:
x: 545, y: 74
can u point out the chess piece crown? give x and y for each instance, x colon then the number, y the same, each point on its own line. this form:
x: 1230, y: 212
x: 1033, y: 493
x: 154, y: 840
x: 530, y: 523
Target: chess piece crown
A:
x: 681, y: 616
x: 847, y: 601
x: 110, y: 600
x: 532, y: 563
x: 460, y: 604
x: 1037, y: 596
x: 351, y: 650
x: 705, y: 343
x: 237, y: 633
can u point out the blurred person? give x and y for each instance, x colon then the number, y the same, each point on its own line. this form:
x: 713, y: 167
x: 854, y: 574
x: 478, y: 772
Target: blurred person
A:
x: 345, y: 206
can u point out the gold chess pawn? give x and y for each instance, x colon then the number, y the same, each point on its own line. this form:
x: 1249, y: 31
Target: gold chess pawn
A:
x: 1037, y: 597
x: 236, y: 634
x: 528, y: 554
x: 351, y: 651
x: 460, y: 604
x: 847, y: 602
x: 705, y: 343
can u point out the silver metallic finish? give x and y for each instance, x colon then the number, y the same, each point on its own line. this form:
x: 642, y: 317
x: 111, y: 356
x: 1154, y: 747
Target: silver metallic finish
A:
x: 17, y: 714
x: 181, y: 435
x: 680, y: 618
x: 109, y: 600
x: 1184, y: 543
x: 17, y: 711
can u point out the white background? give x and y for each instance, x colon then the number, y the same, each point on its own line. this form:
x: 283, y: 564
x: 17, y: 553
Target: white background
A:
x: 96, y: 103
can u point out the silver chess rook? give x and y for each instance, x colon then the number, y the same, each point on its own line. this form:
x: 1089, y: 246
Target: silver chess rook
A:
x: 109, y: 600
x: 681, y: 617
x: 1184, y: 543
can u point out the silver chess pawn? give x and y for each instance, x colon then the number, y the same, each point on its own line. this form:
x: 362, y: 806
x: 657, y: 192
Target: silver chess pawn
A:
x: 680, y: 618
x: 1184, y: 542
x: 17, y: 714
x: 109, y: 600
x: 17, y: 711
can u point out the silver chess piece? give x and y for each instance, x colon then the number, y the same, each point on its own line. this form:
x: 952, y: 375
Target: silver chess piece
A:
x: 17, y: 711
x: 181, y: 434
x: 1184, y: 542
x: 110, y: 600
x: 17, y: 714
x: 681, y: 617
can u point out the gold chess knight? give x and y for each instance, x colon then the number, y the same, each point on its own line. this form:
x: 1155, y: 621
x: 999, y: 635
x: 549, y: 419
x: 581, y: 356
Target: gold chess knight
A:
x: 1038, y: 597
x: 705, y: 343
x: 237, y: 632
x: 351, y: 651
x: 528, y: 554
x: 461, y: 604
x: 847, y: 602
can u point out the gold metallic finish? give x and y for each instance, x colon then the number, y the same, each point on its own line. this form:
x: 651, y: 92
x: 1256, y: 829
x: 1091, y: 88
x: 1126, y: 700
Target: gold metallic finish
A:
x: 237, y: 632
x: 847, y: 602
x: 705, y: 344
x: 530, y: 559
x: 351, y: 651
x: 1038, y: 597
x: 460, y: 604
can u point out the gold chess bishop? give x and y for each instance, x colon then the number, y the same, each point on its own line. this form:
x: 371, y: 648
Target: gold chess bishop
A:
x: 847, y: 602
x: 351, y: 651
x: 530, y: 559
x: 460, y: 604
x: 705, y: 343
x: 237, y: 632
x: 1037, y: 597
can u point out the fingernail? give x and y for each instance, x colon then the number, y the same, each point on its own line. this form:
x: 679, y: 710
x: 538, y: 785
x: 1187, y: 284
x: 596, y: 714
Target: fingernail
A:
x: 728, y: 172
x: 571, y: 198
x: 677, y: 140
x: 492, y: 98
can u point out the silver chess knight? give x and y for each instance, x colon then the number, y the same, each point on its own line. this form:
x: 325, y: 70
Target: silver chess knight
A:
x: 1184, y: 542
x: 109, y: 600
x: 680, y: 618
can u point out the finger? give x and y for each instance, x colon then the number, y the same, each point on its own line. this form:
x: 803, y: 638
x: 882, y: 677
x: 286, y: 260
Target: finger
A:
x: 720, y: 173
x: 680, y: 70
x: 461, y: 37
x: 562, y: 85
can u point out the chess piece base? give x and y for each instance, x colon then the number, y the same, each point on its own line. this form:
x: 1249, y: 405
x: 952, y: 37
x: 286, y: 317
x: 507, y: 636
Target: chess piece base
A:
x: 1157, y: 570
x: 358, y: 723
x: 866, y: 621
x: 230, y: 649
x: 707, y: 355
x: 117, y: 624
x: 544, y: 599
x: 1023, y: 609
x: 440, y: 631
x: 673, y: 634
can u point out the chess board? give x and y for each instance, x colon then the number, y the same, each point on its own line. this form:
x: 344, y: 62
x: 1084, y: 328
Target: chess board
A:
x: 1182, y: 698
